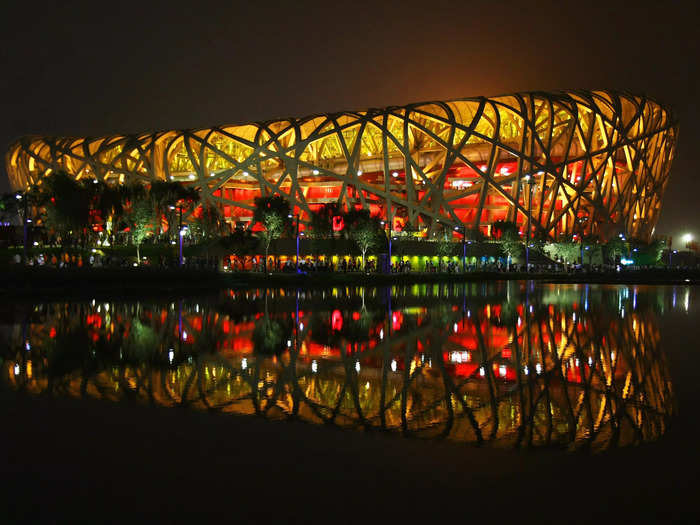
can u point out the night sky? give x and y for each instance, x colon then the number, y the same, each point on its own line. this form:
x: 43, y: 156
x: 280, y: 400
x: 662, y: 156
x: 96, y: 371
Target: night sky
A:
x: 95, y: 68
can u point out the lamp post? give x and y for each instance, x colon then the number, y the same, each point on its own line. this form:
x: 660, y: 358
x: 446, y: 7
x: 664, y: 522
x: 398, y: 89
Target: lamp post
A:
x: 581, y: 221
x: 296, y: 218
x: 25, y: 221
x: 180, y: 232
x: 687, y: 239
x: 528, y: 182
x: 387, y: 231
x: 464, y: 246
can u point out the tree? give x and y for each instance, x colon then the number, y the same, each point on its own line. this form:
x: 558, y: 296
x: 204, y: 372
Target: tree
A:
x: 509, y: 236
x: 65, y: 204
x: 241, y: 243
x: 408, y: 230
x: 10, y: 207
x: 615, y: 248
x: 322, y: 221
x: 502, y: 227
x: 108, y: 204
x: 168, y: 197
x: 365, y: 230
x: 140, y: 216
x: 445, y: 246
x: 208, y: 223
x: 273, y: 214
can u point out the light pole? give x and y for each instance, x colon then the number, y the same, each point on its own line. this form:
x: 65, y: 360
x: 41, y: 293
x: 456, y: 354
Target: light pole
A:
x: 180, y: 232
x: 528, y: 182
x: 296, y: 218
x: 464, y: 246
x: 687, y: 239
x: 387, y: 231
x: 25, y: 248
x: 581, y: 221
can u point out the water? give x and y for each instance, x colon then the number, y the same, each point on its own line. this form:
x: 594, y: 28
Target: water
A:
x: 504, y: 363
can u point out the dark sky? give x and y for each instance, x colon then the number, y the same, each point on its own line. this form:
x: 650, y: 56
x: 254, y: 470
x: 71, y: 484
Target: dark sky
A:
x: 94, y: 68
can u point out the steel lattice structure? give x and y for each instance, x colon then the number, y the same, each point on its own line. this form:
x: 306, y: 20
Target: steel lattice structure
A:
x: 574, y: 162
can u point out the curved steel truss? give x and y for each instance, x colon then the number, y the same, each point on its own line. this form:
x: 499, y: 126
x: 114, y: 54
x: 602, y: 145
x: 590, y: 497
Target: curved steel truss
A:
x: 574, y: 162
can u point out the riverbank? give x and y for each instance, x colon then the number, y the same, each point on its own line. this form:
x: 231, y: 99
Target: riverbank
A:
x: 43, y: 281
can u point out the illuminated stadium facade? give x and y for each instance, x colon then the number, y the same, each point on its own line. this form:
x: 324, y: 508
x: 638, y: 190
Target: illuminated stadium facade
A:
x: 574, y: 162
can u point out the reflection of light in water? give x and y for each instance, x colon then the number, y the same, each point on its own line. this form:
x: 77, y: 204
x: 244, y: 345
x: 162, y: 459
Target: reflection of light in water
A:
x: 301, y: 326
x: 496, y: 397
x: 686, y: 302
x: 27, y: 346
x: 184, y: 335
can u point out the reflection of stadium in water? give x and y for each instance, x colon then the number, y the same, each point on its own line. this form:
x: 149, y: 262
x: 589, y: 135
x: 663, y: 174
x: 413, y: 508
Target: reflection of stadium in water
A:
x: 553, y: 364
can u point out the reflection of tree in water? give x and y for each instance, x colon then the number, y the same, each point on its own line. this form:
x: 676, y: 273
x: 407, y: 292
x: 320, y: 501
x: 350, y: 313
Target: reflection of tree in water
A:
x: 271, y: 333
x: 456, y: 364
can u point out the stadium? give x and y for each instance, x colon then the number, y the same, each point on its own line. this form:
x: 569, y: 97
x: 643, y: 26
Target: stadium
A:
x: 566, y: 163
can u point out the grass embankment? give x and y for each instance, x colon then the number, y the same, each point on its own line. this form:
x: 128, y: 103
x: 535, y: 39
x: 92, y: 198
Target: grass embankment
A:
x: 18, y: 280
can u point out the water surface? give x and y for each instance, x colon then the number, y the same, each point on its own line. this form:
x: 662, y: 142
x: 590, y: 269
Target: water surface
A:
x: 506, y: 363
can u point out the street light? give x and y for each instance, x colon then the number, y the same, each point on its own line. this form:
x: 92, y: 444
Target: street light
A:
x: 464, y: 246
x: 296, y: 217
x: 181, y: 232
x: 687, y: 239
x: 25, y: 221
x: 528, y: 182
x: 581, y: 221
x: 387, y: 232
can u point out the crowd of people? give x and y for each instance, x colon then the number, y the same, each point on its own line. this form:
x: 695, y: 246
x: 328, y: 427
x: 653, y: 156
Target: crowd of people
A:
x: 96, y: 260
x: 309, y: 265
